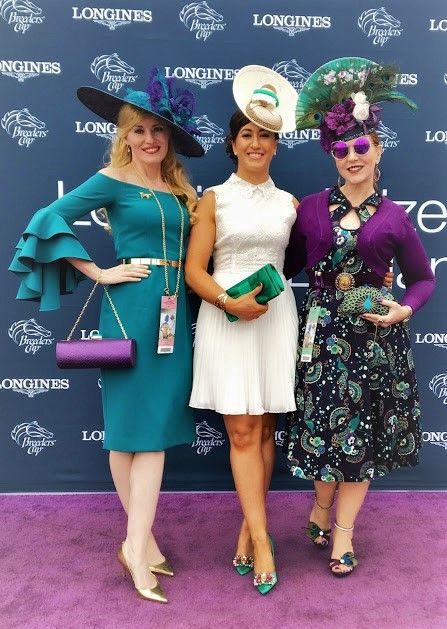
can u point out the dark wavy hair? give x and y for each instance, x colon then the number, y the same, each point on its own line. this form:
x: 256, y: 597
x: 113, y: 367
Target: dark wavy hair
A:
x: 237, y: 121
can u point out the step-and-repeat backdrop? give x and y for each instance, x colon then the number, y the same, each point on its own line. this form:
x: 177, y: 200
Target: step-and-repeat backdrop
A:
x: 50, y: 420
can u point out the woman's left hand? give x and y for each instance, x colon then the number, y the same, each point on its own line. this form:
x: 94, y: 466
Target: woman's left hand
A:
x: 396, y: 314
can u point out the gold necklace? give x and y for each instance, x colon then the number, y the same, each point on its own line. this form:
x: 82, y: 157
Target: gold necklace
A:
x: 163, y: 233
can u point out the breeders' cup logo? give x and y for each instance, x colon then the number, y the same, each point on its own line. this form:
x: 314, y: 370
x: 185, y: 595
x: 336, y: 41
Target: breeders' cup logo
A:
x: 388, y: 138
x: 104, y: 129
x: 201, y: 19
x: 33, y: 386
x: 112, y: 18
x: 22, y: 70
x: 201, y: 76
x: 291, y: 24
x: 379, y: 25
x: 21, y: 14
x: 113, y: 71
x: 293, y: 72
x: 22, y: 126
x: 439, y: 136
x: 28, y: 334
x: 32, y: 437
x: 438, y: 384
x: 207, y: 438
x: 211, y: 133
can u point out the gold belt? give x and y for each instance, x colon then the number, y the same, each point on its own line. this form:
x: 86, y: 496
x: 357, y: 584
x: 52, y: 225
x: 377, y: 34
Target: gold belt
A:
x: 152, y: 262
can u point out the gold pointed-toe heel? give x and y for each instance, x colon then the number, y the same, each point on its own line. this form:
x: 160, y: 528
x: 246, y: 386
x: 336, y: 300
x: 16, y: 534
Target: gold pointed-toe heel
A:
x: 148, y: 594
x: 164, y: 568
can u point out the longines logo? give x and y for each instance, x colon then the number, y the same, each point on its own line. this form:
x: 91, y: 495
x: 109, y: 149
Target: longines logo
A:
x: 291, y: 24
x: 92, y: 435
x: 445, y: 78
x: 111, y: 18
x: 101, y: 129
x: 435, y: 438
x: 279, y: 437
x: 201, y: 19
x: 438, y: 25
x: 211, y: 133
x: 388, y: 138
x: 298, y: 137
x: 438, y: 385
x: 113, y: 71
x: 29, y: 335
x: 407, y: 79
x: 432, y: 338
x: 22, y: 126
x: 21, y: 14
x: 379, y: 25
x: 33, y: 386
x: 32, y: 437
x: 22, y: 70
x: 293, y: 72
x: 439, y: 136
x: 201, y: 76
x: 207, y: 438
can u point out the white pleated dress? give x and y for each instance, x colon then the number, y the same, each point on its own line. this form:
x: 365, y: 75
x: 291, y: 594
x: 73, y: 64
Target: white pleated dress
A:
x: 248, y: 367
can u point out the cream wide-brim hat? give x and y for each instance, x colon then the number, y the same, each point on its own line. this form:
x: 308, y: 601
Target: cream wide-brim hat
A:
x: 254, y: 77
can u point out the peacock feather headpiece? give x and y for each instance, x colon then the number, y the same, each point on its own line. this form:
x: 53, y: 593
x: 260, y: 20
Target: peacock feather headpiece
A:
x: 340, y: 98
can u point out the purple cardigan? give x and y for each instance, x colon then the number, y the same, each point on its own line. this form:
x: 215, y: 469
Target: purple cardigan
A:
x: 388, y: 233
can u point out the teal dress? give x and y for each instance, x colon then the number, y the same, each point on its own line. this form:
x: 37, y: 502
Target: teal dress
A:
x: 145, y: 407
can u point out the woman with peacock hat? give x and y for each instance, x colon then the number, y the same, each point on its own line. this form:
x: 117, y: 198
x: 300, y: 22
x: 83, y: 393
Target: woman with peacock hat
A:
x: 357, y: 403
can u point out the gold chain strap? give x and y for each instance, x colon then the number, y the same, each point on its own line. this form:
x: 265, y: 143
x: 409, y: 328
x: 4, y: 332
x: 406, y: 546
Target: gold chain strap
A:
x: 163, y: 233
x: 85, y: 306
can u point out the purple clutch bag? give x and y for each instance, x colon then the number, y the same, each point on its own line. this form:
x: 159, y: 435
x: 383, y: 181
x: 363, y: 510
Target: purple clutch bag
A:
x: 102, y: 353
x: 96, y: 352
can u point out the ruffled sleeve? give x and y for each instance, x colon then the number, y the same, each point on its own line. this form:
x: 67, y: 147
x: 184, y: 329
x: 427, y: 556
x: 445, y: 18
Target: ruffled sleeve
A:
x: 40, y: 259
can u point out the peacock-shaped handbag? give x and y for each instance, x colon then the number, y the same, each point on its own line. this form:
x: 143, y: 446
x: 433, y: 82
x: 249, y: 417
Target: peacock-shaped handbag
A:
x: 363, y: 300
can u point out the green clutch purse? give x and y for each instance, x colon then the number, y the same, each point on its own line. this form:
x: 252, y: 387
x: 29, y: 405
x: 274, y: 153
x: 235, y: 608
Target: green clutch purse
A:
x: 272, y: 286
x: 364, y: 299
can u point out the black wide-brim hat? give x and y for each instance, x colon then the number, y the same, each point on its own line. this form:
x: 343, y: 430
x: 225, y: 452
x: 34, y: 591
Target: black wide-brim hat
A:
x: 108, y: 106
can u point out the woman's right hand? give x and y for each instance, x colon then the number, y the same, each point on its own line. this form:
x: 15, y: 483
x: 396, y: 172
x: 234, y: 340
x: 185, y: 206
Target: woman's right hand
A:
x: 246, y: 307
x: 123, y: 273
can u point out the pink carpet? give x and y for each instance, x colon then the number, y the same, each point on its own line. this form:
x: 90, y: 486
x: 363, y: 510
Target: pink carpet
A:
x: 59, y: 567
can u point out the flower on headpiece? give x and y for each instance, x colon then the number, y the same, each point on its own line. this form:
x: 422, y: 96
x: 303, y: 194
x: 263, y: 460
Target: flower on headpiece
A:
x: 330, y: 77
x: 340, y: 118
x: 361, y: 109
x: 345, y: 76
x: 176, y: 105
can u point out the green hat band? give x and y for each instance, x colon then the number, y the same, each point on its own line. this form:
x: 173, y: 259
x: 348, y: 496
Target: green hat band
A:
x: 266, y: 92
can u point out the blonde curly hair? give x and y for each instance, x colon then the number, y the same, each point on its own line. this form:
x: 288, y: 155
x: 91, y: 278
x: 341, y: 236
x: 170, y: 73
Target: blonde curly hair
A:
x: 172, y: 170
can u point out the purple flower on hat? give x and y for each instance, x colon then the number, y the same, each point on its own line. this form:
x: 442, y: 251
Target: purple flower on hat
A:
x: 340, y: 118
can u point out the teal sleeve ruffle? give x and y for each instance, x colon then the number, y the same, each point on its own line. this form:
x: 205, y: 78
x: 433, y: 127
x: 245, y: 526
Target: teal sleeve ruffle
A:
x: 40, y: 262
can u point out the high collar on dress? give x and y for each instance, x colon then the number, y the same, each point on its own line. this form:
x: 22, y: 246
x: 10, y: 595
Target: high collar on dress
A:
x: 249, y: 189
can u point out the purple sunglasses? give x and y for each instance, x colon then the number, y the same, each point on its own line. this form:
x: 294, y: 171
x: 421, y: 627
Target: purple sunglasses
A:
x: 340, y: 149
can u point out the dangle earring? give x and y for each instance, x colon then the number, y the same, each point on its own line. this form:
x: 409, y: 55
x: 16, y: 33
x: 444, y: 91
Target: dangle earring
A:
x: 377, y: 173
x: 340, y: 181
x: 128, y: 150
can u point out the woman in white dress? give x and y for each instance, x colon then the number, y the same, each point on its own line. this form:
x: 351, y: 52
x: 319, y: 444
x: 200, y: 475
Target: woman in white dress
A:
x: 246, y: 369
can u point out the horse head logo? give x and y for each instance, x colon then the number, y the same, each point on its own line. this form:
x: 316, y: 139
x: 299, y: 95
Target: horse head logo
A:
x: 385, y: 133
x: 206, y: 127
x: 292, y: 71
x: 205, y: 431
x: 29, y: 429
x: 199, y: 11
x: 379, y: 17
x: 24, y: 7
x: 110, y: 63
x: 438, y: 385
x: 22, y: 118
x: 27, y: 327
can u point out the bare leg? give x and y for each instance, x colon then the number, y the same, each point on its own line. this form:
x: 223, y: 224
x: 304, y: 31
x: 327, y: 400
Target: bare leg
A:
x: 321, y: 512
x: 349, y: 501
x: 245, y: 434
x: 244, y: 543
x: 120, y: 467
x: 145, y: 480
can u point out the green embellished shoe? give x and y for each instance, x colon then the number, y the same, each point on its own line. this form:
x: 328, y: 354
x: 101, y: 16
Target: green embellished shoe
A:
x: 347, y: 560
x: 266, y: 581
x: 243, y: 564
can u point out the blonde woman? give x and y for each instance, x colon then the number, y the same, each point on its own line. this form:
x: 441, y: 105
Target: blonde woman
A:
x: 149, y: 204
